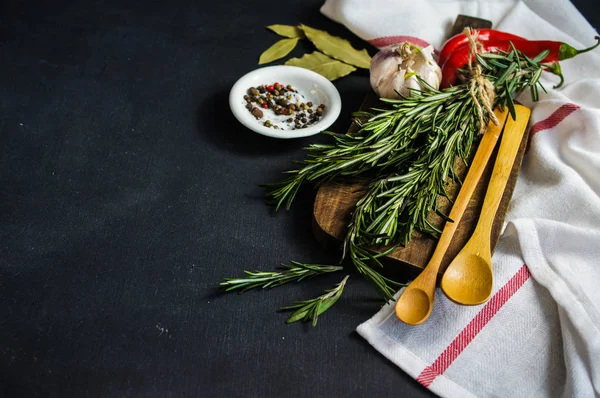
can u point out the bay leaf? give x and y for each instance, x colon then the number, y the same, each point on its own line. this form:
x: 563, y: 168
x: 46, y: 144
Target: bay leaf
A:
x: 322, y: 64
x: 278, y: 50
x: 287, y: 30
x: 337, y: 47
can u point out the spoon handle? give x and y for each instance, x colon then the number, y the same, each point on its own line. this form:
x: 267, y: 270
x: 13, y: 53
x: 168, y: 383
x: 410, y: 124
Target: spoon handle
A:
x: 509, y: 146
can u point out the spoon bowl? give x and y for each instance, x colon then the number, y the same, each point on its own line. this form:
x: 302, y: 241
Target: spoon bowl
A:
x: 468, y: 279
x: 414, y: 306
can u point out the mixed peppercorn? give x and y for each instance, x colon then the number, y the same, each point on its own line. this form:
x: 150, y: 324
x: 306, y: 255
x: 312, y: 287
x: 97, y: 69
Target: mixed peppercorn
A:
x: 282, y: 101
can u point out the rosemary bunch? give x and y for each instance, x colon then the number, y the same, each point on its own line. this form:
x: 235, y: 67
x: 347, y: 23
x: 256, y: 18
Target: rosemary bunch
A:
x: 411, y: 194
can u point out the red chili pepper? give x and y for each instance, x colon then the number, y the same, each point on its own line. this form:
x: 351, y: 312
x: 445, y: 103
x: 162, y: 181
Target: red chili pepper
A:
x: 557, y: 51
x: 483, y: 35
x: 460, y: 59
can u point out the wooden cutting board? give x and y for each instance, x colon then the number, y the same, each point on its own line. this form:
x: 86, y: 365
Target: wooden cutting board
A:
x: 335, y: 201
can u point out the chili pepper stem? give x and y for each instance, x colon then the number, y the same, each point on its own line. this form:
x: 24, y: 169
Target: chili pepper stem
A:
x: 566, y: 51
x: 556, y: 70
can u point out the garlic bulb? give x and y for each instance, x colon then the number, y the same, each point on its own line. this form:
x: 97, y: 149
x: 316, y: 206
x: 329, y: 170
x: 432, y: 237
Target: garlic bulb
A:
x: 394, y: 70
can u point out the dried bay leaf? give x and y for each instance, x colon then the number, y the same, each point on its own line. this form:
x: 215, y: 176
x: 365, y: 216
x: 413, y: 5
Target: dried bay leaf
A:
x: 278, y: 50
x: 337, y: 47
x: 287, y: 30
x: 322, y: 64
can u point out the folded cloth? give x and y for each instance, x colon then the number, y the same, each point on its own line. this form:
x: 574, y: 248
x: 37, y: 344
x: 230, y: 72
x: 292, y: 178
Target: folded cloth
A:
x: 539, y: 334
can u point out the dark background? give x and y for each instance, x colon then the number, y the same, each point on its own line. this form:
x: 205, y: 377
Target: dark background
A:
x: 127, y: 190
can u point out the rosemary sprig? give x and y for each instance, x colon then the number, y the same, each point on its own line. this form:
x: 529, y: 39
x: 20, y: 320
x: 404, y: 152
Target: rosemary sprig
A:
x: 295, y: 272
x: 309, y: 310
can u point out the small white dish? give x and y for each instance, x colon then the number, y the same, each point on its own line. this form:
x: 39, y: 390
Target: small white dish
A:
x: 314, y: 87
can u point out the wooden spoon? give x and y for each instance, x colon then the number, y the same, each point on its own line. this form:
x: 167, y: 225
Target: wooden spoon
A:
x: 416, y: 303
x: 468, y: 280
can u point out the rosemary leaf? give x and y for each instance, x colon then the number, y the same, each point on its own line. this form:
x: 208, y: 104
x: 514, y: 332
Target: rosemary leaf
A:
x: 309, y: 310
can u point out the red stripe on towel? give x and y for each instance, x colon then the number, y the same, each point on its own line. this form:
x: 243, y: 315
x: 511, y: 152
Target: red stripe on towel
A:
x: 385, y: 41
x: 439, y: 366
x: 556, y: 117
x: 551, y: 121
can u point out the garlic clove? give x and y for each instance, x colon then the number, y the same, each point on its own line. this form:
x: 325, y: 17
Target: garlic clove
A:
x: 384, y: 66
x: 391, y: 66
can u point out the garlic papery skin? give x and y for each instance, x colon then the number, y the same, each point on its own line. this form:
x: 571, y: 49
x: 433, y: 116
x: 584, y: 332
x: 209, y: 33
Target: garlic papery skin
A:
x: 395, y: 69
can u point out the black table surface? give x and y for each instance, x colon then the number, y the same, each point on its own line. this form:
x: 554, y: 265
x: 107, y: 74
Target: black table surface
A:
x: 127, y: 190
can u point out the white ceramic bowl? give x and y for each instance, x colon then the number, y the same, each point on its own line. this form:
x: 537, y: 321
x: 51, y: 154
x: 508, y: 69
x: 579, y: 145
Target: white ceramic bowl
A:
x: 314, y: 87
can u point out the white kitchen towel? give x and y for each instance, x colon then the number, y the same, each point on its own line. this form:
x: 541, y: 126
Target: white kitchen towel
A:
x: 539, y: 334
